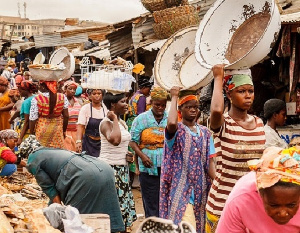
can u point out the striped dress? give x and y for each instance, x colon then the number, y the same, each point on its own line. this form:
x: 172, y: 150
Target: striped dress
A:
x: 71, y: 133
x: 234, y: 147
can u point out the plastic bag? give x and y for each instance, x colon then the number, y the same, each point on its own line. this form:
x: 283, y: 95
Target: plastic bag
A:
x: 55, y: 213
x: 73, y: 223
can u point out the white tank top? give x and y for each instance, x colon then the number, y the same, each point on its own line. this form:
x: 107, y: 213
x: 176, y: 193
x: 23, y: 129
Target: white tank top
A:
x: 115, y: 155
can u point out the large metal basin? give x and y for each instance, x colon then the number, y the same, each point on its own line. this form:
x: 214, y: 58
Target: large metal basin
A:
x: 251, y: 26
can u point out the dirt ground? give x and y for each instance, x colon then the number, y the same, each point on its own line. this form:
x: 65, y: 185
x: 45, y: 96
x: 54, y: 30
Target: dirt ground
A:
x: 139, y: 208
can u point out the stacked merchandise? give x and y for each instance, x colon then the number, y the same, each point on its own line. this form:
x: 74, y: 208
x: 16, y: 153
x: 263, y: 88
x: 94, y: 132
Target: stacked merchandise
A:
x: 114, y: 76
x: 171, y: 16
x: 21, y: 204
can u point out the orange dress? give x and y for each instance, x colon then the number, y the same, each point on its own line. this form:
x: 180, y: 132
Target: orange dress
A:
x: 49, y: 130
x: 4, y: 115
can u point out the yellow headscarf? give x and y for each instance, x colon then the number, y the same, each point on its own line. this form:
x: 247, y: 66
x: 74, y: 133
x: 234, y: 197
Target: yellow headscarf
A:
x: 158, y: 93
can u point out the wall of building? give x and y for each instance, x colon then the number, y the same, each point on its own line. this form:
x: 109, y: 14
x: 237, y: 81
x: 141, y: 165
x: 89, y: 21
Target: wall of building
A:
x: 17, y: 27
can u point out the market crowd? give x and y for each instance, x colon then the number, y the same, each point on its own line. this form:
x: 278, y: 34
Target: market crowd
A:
x: 236, y: 175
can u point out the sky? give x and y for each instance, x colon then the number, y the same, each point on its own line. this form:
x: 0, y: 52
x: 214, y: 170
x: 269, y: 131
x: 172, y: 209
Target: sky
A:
x: 108, y: 11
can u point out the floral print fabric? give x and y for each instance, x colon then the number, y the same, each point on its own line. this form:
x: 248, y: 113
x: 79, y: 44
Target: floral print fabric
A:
x: 184, y: 169
x: 149, y: 135
x: 125, y: 195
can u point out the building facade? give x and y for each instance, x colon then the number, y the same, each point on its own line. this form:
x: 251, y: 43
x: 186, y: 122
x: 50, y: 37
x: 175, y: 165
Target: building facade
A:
x: 14, y: 28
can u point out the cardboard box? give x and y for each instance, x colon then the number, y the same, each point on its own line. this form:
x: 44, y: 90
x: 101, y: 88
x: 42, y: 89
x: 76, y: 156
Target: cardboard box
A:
x: 291, y: 108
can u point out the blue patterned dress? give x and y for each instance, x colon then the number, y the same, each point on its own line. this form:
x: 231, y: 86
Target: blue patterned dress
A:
x: 184, y: 174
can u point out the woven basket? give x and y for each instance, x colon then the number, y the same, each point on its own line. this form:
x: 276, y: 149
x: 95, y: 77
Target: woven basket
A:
x: 172, y: 13
x: 165, y: 29
x: 154, y: 5
x: 172, y: 3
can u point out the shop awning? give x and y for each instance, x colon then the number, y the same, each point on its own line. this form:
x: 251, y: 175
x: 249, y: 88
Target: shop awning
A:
x: 290, y: 18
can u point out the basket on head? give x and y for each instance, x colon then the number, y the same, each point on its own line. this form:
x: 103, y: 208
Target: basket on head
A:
x: 171, y: 3
x: 158, y: 5
x: 168, y: 27
x: 154, y: 5
x: 172, y: 13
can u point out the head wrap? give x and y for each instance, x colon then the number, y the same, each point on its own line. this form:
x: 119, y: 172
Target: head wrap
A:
x: 8, y: 134
x: 236, y: 78
x: 52, y: 86
x: 19, y: 78
x: 78, y: 91
x: 158, y: 93
x: 70, y: 83
x: 186, y: 98
x: 276, y: 165
x: 3, y: 81
x: 144, y: 81
x: 29, y: 145
x: 272, y: 106
x: 29, y: 86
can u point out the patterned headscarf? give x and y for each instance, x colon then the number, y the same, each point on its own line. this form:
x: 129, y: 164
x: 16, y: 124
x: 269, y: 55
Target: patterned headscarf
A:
x: 275, y: 165
x: 52, y: 86
x: 3, y: 81
x: 29, y: 145
x: 29, y: 86
x: 236, y: 78
x: 158, y: 93
x: 70, y: 83
x: 7, y: 134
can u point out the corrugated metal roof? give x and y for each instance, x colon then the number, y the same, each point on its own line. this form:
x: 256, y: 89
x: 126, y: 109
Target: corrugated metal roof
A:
x: 22, y: 45
x: 102, y: 54
x: 155, y: 45
x: 81, y: 53
x: 51, y: 40
x: 143, y: 31
x: 120, y: 41
x: 290, y: 18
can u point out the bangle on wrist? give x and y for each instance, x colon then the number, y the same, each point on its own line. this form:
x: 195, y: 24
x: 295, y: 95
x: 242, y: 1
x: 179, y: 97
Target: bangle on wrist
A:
x: 78, y: 141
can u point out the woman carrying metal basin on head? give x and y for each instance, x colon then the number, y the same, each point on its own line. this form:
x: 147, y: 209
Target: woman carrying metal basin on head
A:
x: 238, y: 137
